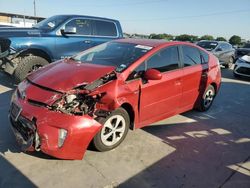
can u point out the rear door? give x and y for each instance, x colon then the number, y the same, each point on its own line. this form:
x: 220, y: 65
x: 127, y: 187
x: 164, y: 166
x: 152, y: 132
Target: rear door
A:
x: 194, y: 76
x: 161, y: 98
x: 104, y: 31
x: 70, y: 44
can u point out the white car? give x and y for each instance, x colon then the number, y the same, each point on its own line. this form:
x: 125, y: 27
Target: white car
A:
x: 242, y: 66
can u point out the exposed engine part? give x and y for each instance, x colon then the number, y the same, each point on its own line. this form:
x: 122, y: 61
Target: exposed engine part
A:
x: 77, y: 104
x: 100, y: 81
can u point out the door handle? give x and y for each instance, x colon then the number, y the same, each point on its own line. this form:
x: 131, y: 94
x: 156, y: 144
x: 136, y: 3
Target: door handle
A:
x: 87, y: 41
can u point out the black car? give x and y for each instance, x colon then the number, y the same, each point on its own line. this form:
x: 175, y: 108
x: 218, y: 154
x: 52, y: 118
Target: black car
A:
x: 242, y: 51
x: 222, y: 50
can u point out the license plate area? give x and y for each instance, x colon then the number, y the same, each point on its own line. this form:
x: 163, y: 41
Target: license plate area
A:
x: 15, y: 111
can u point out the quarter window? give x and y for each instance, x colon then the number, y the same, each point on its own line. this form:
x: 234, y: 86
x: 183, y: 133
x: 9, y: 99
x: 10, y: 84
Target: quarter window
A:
x: 165, y: 60
x: 204, y: 57
x: 83, y: 26
x: 191, y: 56
x: 104, y: 28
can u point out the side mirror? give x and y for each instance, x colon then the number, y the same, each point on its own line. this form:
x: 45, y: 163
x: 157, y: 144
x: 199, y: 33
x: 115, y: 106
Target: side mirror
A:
x: 69, y: 30
x: 152, y: 74
x: 218, y: 50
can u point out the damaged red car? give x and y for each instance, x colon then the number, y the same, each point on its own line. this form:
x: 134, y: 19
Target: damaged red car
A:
x: 98, y: 95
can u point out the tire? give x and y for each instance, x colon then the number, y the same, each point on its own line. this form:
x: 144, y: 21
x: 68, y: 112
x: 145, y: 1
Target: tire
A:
x: 207, y: 99
x: 229, y: 63
x: 28, y: 64
x: 104, y: 139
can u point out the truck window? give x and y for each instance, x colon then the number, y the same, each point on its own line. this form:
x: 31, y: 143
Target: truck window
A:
x: 105, y: 28
x: 83, y: 26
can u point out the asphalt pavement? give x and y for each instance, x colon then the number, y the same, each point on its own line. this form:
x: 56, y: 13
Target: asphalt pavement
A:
x: 194, y: 149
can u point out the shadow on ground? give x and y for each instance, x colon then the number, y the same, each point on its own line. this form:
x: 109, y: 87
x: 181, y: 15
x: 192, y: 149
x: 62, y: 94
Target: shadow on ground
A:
x: 207, y: 146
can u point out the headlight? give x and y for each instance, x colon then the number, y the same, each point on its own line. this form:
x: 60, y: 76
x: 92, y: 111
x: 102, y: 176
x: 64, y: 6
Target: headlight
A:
x: 14, y: 96
x: 62, y: 136
x: 22, y: 89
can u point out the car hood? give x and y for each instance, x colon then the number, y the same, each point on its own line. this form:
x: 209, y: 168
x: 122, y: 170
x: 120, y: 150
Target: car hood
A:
x: 19, y: 32
x: 65, y: 75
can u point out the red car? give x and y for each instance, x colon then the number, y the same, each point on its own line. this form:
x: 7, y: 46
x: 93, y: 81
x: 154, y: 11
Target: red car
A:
x: 97, y: 95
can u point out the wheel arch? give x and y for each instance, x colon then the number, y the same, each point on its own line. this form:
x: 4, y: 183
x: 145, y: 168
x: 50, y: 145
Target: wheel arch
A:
x: 36, y: 52
x: 215, y: 87
x: 128, y: 107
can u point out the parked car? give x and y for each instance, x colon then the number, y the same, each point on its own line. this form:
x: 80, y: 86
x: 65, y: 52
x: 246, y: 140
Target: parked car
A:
x: 242, y: 66
x: 245, y: 50
x: 100, y: 93
x: 53, y: 39
x: 222, y: 50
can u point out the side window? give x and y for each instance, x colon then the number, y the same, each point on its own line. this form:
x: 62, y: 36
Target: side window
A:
x: 137, y: 72
x: 83, y: 27
x: 191, y: 56
x: 204, y: 57
x: 105, y: 28
x: 165, y: 60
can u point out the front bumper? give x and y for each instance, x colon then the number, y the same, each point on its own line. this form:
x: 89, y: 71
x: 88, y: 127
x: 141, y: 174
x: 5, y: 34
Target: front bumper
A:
x: 242, y: 68
x: 38, y: 128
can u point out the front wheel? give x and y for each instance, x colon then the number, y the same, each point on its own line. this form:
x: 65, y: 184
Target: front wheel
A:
x: 28, y: 64
x: 207, y: 99
x: 114, y: 130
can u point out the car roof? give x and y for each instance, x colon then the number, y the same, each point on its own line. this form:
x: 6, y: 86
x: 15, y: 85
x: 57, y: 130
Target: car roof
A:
x: 84, y: 16
x: 151, y: 42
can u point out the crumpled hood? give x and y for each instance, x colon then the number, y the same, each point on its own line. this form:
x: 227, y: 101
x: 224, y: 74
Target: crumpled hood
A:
x: 19, y: 32
x: 67, y: 74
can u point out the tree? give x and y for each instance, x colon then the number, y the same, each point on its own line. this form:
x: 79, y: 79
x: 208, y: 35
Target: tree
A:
x: 235, y: 40
x: 161, y: 36
x: 185, y: 37
x: 207, y: 37
x: 220, y: 39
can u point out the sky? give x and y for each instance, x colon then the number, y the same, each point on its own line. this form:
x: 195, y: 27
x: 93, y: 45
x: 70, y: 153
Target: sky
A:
x: 197, y: 17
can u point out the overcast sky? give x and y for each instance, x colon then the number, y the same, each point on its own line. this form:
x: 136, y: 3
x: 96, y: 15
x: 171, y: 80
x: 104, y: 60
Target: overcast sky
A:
x: 197, y: 17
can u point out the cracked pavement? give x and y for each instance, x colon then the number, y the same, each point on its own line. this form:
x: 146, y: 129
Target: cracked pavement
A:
x: 194, y: 149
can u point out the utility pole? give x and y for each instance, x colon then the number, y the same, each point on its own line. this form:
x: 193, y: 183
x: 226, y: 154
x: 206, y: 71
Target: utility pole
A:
x: 34, y: 2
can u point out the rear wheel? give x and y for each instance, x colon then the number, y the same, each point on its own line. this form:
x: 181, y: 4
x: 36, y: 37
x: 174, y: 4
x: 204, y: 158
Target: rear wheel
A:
x: 207, y: 99
x: 28, y: 64
x: 114, y: 130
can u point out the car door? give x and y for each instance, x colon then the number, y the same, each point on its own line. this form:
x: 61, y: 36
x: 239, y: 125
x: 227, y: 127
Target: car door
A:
x: 103, y: 31
x: 219, y: 51
x: 228, y: 53
x: 70, y: 44
x: 194, y: 76
x: 161, y: 98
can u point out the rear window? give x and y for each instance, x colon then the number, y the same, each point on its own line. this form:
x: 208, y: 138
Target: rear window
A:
x: 105, y: 28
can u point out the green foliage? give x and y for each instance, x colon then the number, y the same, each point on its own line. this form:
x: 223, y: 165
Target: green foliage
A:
x: 235, y: 40
x: 161, y: 36
x: 186, y: 37
x: 220, y: 39
x: 207, y: 37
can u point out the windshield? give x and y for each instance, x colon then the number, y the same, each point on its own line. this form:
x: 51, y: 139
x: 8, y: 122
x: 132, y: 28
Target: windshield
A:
x: 117, y: 54
x: 247, y: 45
x: 51, y: 23
x: 208, y: 45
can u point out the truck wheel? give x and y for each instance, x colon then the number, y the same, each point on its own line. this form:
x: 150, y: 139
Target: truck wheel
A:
x: 28, y: 64
x: 207, y: 99
x: 114, y: 130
